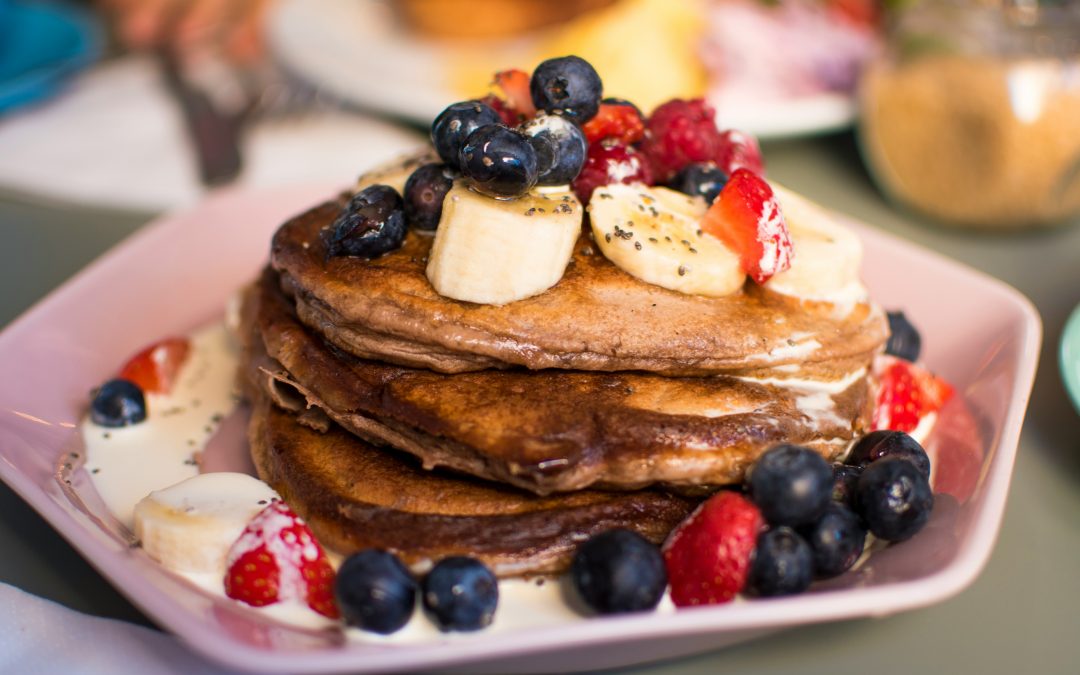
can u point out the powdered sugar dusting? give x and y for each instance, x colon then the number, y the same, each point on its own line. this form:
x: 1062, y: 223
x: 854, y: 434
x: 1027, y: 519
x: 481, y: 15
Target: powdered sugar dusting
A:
x: 288, y: 541
x: 772, y: 233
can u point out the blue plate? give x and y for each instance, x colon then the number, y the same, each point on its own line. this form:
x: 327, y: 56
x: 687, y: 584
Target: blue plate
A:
x: 41, y: 44
x: 1070, y: 356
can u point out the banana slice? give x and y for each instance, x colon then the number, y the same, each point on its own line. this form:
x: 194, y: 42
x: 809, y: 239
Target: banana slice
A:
x: 189, y: 527
x: 495, y: 251
x: 395, y: 172
x: 827, y: 254
x: 654, y: 234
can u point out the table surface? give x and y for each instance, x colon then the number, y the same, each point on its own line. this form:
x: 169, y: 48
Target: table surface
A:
x: 1020, y: 615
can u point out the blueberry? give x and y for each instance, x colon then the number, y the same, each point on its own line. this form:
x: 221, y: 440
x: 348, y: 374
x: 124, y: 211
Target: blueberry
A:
x: 118, y: 403
x: 461, y: 593
x: 424, y: 193
x: 619, y: 571
x: 836, y: 540
x: 894, y: 498
x: 373, y: 223
x: 877, y: 444
x: 791, y: 485
x: 904, y: 340
x: 700, y: 178
x: 845, y: 478
x: 568, y: 86
x: 455, y: 123
x: 612, y: 100
x: 783, y: 564
x: 499, y: 161
x: 560, y: 148
x: 375, y: 591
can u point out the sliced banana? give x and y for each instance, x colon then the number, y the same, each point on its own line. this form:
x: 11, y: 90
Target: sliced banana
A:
x: 494, y: 251
x: 189, y: 527
x: 654, y: 234
x: 827, y: 254
x: 397, y: 171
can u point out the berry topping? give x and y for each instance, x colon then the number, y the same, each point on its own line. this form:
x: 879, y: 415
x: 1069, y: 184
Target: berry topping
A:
x: 746, y: 217
x: 836, y: 540
x: 783, y: 564
x: 560, y: 148
x: 276, y: 558
x: 461, y: 594
x: 957, y: 447
x: 514, y: 84
x: 619, y: 571
x: 894, y: 498
x: 568, y: 86
x: 375, y: 591
x: 907, y: 393
x: 845, y: 478
x: 616, y: 119
x: 155, y: 368
x: 700, y: 179
x: 708, y: 555
x: 610, y: 162
x: 424, y: 193
x: 884, y: 443
x: 678, y: 133
x: 118, y: 403
x: 791, y: 485
x: 739, y: 150
x: 455, y: 123
x: 904, y: 341
x: 370, y: 225
x: 507, y: 115
x: 499, y: 161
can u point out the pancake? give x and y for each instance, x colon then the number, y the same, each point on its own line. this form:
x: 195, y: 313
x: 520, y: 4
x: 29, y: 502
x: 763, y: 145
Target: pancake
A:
x: 596, y: 318
x: 556, y: 431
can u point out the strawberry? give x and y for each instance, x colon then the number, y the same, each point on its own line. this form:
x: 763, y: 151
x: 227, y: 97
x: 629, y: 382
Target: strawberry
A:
x: 155, y: 368
x: 907, y: 393
x: 956, y: 450
x: 708, y: 555
x: 615, y: 119
x: 276, y: 558
x: 514, y: 84
x: 739, y: 150
x: 746, y: 217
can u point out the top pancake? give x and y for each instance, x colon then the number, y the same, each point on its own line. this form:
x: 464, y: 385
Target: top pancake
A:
x: 596, y: 318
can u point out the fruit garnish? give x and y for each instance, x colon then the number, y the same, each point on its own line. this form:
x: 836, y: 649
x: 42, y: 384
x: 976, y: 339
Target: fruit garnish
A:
x: 904, y: 341
x: 607, y: 162
x: 499, y: 161
x: 455, y: 123
x: 155, y: 368
x: 708, y: 555
x: 957, y: 448
x: 423, y: 196
x: 118, y: 403
x: 894, y: 498
x: 739, y: 150
x: 887, y: 443
x: 701, y: 179
x: 907, y: 394
x: 375, y: 591
x: 514, y: 84
x: 567, y: 85
x: 783, y: 564
x: 370, y: 225
x: 616, y: 119
x: 507, y: 114
x: 460, y: 594
x: 619, y: 571
x: 678, y: 133
x: 746, y: 216
x: 560, y: 148
x: 836, y: 540
x: 791, y: 485
x: 277, y: 558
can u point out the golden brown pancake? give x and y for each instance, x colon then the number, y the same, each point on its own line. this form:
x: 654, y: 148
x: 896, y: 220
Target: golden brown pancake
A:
x: 596, y: 318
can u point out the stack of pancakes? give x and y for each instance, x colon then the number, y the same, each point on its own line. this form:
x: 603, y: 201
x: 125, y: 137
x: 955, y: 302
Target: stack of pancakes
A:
x: 389, y: 416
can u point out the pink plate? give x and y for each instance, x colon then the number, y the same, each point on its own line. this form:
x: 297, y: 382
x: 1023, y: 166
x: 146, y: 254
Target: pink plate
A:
x: 173, y: 276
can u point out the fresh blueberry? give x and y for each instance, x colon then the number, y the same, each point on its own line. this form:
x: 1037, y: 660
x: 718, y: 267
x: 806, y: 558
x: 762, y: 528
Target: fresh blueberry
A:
x: 884, y: 443
x: 612, y: 100
x: 894, y: 498
x: 904, y: 340
x: 375, y: 591
x: 499, y: 161
x: 560, y: 148
x: 461, y: 594
x: 118, y: 403
x: 568, y: 86
x: 700, y: 178
x: 455, y: 123
x: 424, y: 193
x: 373, y: 223
x: 619, y: 571
x: 791, y: 485
x: 783, y: 564
x: 836, y: 540
x: 845, y: 478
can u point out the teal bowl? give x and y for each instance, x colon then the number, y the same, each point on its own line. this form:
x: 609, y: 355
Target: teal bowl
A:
x: 1069, y: 356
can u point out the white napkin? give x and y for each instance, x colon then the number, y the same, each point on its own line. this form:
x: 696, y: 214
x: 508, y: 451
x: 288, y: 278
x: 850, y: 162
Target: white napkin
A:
x: 115, y: 138
x: 40, y: 637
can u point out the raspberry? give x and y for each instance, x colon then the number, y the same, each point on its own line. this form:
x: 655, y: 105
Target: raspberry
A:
x: 509, y: 116
x: 739, y: 150
x: 610, y: 161
x: 620, y: 120
x: 681, y: 132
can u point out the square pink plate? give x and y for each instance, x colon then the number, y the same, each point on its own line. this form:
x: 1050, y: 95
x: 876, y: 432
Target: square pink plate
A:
x: 177, y: 274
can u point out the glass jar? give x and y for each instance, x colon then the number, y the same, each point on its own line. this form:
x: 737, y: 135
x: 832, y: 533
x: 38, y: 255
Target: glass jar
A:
x: 972, y: 114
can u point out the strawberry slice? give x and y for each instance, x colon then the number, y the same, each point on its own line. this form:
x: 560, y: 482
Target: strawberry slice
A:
x: 514, y: 84
x: 746, y: 217
x: 956, y: 450
x: 156, y: 368
x: 615, y: 119
x: 276, y: 559
x: 708, y: 555
x: 907, y: 394
x: 739, y: 150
